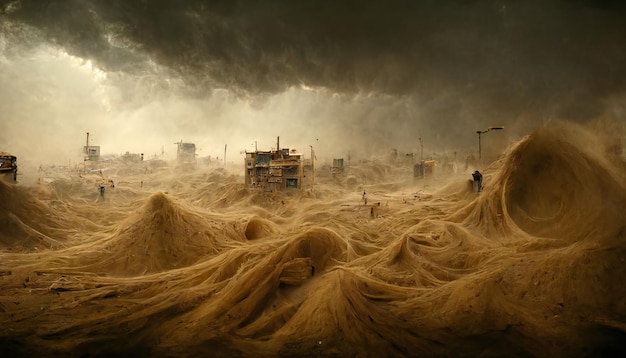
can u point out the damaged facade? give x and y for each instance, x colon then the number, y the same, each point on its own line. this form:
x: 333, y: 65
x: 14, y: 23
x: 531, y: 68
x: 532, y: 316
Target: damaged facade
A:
x: 92, y: 152
x: 185, y: 153
x: 424, y: 169
x: 8, y: 165
x: 337, y: 168
x: 274, y: 170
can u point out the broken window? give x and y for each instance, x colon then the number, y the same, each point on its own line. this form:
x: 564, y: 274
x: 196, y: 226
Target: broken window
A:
x: 292, y: 183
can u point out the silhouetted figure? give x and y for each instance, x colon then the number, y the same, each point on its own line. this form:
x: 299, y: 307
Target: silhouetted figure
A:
x: 364, y: 198
x: 478, y: 181
x: 102, y: 191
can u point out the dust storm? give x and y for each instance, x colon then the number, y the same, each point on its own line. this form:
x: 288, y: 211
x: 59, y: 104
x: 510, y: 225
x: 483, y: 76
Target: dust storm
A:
x: 197, y: 263
x: 395, y: 253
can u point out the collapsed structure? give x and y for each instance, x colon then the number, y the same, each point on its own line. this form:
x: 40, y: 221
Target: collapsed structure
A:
x: 185, y: 153
x: 337, y: 168
x: 8, y: 165
x: 92, y: 152
x: 274, y: 170
x: 424, y: 169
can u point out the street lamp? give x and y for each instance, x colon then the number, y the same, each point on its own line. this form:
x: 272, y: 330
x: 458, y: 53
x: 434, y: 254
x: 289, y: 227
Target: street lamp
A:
x: 421, y: 149
x: 481, y: 132
x: 312, y: 164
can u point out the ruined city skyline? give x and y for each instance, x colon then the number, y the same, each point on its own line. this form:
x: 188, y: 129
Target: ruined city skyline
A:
x: 276, y: 255
x: 357, y: 77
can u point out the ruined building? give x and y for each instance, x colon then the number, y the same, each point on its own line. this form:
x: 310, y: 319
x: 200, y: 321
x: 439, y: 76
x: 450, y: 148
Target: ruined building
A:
x: 8, y: 165
x: 337, y: 168
x: 185, y: 153
x: 92, y: 152
x: 424, y: 169
x: 274, y: 170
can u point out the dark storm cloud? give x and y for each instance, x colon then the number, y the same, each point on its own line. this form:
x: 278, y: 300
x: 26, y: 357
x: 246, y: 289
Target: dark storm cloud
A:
x: 546, y: 58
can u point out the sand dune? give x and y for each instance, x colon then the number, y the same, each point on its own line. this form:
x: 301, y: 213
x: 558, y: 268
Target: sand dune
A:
x: 193, y: 263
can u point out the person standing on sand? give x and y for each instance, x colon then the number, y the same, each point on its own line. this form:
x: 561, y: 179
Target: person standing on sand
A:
x: 364, y: 198
x: 478, y: 181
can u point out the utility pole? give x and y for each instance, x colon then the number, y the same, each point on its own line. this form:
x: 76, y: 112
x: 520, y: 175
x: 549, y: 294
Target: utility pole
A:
x: 225, y: 145
x: 421, y: 149
x: 480, y: 155
x: 312, y: 163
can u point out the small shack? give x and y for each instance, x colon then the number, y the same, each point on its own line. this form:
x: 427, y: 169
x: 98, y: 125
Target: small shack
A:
x: 424, y: 169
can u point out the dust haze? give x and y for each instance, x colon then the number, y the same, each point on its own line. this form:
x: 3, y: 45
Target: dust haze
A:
x: 173, y: 262
x: 141, y: 75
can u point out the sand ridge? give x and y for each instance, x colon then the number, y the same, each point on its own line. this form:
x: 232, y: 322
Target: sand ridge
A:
x: 193, y: 263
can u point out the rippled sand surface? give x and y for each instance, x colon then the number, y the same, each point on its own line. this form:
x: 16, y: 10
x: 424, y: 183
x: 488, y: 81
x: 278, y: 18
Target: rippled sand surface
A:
x: 194, y: 264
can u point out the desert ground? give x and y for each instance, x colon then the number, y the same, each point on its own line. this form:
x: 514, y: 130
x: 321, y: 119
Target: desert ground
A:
x: 192, y: 263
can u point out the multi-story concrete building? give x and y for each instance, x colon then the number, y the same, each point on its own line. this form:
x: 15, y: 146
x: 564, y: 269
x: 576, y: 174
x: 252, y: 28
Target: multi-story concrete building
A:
x: 274, y: 170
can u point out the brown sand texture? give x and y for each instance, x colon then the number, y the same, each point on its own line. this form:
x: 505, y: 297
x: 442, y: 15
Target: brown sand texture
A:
x: 188, y: 264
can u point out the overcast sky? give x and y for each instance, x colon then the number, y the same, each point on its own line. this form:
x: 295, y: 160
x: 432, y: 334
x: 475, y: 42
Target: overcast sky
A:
x: 345, y: 76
